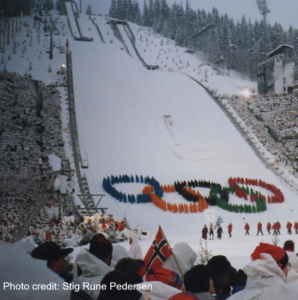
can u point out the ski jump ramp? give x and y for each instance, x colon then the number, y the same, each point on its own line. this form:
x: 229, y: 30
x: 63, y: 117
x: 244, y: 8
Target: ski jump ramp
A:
x: 72, y: 12
x: 124, y: 33
x: 126, y: 40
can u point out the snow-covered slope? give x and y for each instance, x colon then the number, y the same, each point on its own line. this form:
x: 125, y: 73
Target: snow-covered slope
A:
x: 121, y: 108
x: 120, y: 113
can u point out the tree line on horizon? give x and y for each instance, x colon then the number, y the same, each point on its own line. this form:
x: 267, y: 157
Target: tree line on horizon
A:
x: 243, y: 44
x: 13, y: 8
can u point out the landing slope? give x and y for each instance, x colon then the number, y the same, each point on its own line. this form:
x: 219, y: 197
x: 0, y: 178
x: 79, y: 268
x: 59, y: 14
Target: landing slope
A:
x: 120, y: 110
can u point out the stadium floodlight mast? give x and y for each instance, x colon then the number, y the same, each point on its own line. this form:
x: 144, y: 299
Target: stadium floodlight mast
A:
x: 264, y: 10
x: 263, y: 7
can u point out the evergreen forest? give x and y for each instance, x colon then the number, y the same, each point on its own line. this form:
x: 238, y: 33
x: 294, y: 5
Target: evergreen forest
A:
x: 242, y: 44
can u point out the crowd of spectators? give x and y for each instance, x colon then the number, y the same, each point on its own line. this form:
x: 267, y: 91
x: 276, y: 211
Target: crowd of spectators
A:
x: 30, y: 130
x: 272, y: 119
x: 105, y: 271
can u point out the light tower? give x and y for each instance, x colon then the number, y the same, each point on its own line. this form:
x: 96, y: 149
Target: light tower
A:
x: 264, y: 10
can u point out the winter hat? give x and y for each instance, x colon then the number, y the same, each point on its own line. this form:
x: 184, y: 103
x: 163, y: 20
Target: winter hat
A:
x: 184, y: 296
x: 100, y: 246
x: 219, y: 266
x: 196, y: 280
x: 277, y: 253
x: 165, y: 276
x: 50, y: 251
x: 131, y: 266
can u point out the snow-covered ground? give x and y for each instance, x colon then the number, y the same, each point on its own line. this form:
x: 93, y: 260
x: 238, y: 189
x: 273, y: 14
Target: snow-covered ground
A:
x: 126, y: 134
x: 120, y: 114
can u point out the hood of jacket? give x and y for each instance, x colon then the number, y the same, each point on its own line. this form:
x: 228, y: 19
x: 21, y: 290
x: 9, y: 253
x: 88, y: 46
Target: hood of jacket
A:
x: 91, y: 265
x: 264, y: 272
x: 185, y: 256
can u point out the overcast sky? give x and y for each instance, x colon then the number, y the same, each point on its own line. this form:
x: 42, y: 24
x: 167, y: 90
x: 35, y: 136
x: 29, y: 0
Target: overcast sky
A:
x: 282, y: 11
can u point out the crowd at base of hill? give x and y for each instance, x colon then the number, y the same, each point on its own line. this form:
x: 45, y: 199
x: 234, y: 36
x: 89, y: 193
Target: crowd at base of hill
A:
x: 103, y: 271
x: 272, y: 120
x: 30, y: 130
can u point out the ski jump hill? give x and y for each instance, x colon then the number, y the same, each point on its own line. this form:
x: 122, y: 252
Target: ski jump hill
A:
x: 124, y: 33
x: 72, y: 12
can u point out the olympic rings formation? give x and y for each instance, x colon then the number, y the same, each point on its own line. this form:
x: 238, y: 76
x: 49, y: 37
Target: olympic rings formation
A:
x: 218, y: 195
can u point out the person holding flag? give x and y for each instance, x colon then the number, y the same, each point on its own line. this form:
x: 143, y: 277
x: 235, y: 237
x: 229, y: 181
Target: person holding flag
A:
x: 219, y: 232
x: 157, y: 254
x: 218, y: 222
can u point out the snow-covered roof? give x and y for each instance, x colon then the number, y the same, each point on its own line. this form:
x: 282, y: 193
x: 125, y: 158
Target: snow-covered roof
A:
x: 278, y: 48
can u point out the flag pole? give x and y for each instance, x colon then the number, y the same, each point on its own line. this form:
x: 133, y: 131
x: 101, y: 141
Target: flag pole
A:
x: 173, y: 254
x: 147, y: 295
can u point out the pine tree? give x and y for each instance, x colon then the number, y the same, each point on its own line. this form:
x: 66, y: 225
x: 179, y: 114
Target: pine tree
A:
x: 120, y: 10
x: 48, y: 4
x: 113, y: 9
x: 146, y: 16
x: 203, y: 254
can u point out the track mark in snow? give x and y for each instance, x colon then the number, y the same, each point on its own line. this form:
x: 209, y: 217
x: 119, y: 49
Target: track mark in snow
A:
x: 169, y: 125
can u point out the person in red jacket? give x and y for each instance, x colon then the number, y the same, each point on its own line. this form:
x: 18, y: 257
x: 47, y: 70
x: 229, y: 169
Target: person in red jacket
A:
x: 230, y: 227
x: 296, y: 227
x: 268, y: 227
x: 246, y: 227
x: 278, y: 227
x: 289, y: 227
x: 274, y: 227
x: 260, y: 228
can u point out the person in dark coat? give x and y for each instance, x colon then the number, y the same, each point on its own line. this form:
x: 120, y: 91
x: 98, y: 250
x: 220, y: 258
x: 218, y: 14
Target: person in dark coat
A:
x: 219, y: 232
x: 204, y: 232
x: 259, y: 228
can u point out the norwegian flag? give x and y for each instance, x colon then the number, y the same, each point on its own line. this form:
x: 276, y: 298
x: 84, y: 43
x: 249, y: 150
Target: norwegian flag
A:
x: 157, y: 254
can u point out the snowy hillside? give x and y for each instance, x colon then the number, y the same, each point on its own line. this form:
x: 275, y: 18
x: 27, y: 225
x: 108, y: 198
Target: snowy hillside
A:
x: 122, y: 129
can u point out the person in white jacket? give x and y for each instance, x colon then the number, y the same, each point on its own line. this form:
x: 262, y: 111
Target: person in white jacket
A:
x: 135, y: 248
x: 185, y: 256
x: 94, y: 265
x: 267, y: 276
